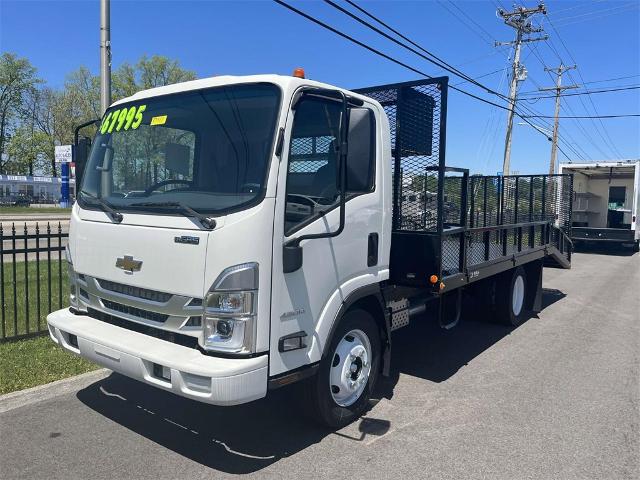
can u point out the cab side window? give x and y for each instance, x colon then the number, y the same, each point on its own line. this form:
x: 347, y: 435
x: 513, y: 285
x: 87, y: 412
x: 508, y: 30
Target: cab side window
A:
x: 313, y: 184
x: 312, y: 176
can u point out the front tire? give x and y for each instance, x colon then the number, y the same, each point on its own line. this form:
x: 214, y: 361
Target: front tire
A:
x: 340, y: 391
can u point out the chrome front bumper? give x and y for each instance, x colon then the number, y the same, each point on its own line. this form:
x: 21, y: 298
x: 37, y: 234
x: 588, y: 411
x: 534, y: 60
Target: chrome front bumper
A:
x: 219, y: 381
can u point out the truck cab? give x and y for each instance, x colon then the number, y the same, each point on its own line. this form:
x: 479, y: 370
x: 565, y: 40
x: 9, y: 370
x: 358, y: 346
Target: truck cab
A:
x: 196, y: 199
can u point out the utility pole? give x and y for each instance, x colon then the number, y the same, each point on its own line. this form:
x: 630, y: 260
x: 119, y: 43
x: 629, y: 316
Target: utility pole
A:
x: 520, y: 20
x: 558, y: 89
x: 105, y: 55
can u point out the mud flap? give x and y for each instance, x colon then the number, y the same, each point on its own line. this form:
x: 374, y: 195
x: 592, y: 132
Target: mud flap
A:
x: 533, y: 299
x: 386, y: 354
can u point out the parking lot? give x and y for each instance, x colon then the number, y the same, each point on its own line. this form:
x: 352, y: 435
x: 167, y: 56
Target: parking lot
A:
x: 557, y: 397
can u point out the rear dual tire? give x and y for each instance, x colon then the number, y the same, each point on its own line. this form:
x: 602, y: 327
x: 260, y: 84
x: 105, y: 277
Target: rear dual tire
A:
x: 502, y: 299
x: 511, y: 293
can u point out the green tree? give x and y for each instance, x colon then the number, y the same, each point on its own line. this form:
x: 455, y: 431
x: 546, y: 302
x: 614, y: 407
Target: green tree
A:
x: 27, y: 150
x: 40, y: 117
x: 149, y: 72
x: 17, y: 80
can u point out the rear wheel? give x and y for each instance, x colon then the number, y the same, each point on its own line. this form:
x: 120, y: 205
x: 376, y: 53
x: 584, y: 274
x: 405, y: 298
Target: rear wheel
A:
x: 511, y: 291
x: 340, y: 392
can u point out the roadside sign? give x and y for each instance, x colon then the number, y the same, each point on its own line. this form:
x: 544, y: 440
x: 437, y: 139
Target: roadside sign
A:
x: 63, y: 153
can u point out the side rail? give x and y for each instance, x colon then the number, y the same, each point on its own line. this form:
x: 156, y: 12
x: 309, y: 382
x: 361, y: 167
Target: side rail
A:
x: 468, y: 250
x: 490, y: 219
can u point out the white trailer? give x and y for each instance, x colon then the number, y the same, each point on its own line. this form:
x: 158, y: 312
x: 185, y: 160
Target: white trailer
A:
x: 237, y: 234
x: 606, y: 202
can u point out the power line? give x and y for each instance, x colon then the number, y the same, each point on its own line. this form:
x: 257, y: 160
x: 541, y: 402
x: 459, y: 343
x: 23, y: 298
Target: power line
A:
x: 611, y: 79
x: 582, y: 155
x: 482, y: 76
x: 586, y: 92
x: 431, y: 56
x: 385, y: 56
x: 585, y: 116
x: 582, y: 129
x: 420, y: 47
x: 614, y: 88
x: 596, y: 14
x: 578, y: 6
x: 466, y: 24
x: 606, y: 136
x: 378, y: 52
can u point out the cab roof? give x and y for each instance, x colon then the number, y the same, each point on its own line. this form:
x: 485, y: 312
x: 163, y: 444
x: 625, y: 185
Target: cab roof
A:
x: 287, y: 83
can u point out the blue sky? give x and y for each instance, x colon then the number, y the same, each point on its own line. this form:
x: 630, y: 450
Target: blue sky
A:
x: 242, y: 37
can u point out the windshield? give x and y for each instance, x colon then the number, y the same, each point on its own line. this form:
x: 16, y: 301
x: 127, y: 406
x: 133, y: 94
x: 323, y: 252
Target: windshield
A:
x: 208, y: 150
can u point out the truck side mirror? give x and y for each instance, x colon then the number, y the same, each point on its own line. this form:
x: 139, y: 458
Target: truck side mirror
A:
x: 81, y: 149
x: 80, y: 156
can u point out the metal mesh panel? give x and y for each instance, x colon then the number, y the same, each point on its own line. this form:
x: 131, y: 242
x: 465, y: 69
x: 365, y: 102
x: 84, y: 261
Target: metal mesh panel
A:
x: 414, y: 110
x: 495, y: 201
x: 450, y: 255
x: 308, y: 154
x: 452, y: 206
x: 476, y: 248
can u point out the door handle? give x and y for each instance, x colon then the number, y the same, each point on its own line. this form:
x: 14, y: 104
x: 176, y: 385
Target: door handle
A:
x: 372, y: 250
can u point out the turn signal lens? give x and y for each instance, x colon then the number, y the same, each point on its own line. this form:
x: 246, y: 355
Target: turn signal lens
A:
x: 298, y: 72
x: 433, y: 279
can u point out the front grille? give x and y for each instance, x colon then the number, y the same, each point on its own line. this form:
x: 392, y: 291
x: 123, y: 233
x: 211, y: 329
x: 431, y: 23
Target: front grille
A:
x: 177, y: 338
x: 135, y: 312
x: 144, y: 293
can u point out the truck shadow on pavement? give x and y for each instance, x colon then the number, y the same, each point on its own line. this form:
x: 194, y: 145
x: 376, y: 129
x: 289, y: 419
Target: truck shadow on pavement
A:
x: 248, y: 438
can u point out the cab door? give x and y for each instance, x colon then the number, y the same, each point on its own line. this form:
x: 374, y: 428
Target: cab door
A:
x: 305, y: 302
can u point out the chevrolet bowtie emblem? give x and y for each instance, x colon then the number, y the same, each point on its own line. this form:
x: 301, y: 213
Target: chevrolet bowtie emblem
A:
x: 128, y: 264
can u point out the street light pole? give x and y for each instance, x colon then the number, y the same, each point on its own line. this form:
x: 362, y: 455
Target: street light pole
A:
x: 105, y: 55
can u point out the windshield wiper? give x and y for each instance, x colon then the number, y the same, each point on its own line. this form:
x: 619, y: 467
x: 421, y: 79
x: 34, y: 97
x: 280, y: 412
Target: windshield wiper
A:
x: 187, y: 211
x: 106, y: 207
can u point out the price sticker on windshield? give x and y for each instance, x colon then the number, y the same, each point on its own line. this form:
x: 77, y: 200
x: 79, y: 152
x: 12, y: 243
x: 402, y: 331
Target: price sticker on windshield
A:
x: 123, y: 119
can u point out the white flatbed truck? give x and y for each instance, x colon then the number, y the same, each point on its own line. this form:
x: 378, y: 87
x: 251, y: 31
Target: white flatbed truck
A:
x: 606, y: 202
x: 233, y: 235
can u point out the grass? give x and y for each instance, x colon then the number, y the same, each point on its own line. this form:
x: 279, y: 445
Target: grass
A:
x: 18, y: 323
x: 36, y: 361
x: 35, y: 210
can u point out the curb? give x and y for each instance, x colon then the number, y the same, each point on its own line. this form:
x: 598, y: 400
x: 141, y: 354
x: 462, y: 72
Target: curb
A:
x: 29, y: 396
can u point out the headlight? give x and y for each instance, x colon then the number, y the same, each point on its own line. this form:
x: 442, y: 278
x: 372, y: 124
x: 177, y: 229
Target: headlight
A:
x: 229, y: 316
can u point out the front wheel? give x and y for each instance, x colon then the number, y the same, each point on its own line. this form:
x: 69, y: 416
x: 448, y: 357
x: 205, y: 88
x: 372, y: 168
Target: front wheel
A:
x: 340, y: 391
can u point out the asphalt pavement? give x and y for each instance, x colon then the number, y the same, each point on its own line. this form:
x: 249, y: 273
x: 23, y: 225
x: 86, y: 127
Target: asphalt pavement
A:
x: 558, y: 397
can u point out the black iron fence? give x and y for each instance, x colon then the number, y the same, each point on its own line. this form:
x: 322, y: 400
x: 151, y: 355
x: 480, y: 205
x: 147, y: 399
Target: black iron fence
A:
x: 33, y: 277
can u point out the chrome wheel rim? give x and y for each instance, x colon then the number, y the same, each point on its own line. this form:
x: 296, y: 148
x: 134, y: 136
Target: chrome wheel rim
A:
x: 518, y: 295
x: 350, y: 368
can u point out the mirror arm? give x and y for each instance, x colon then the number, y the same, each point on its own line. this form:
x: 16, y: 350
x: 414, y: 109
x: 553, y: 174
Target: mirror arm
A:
x: 76, y: 131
